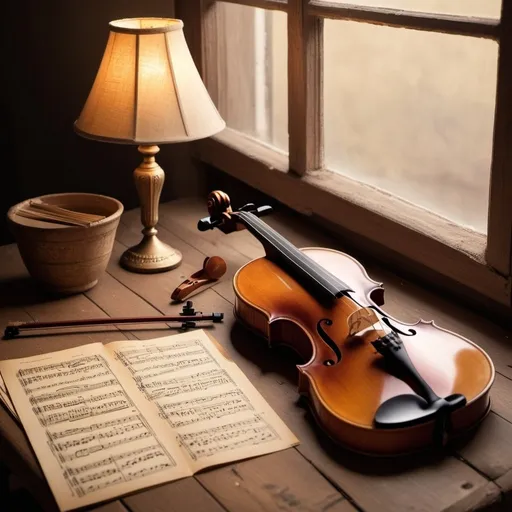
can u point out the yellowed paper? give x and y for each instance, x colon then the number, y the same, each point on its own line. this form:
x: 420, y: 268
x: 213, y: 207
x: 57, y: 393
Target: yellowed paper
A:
x: 108, y: 420
x: 92, y: 440
x: 5, y: 399
x: 209, y: 405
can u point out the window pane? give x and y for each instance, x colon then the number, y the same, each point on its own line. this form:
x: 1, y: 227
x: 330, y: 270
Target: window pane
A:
x: 412, y: 113
x: 481, y: 8
x: 252, y: 67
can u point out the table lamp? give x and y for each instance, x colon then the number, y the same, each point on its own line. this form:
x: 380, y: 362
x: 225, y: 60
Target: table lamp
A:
x: 148, y: 92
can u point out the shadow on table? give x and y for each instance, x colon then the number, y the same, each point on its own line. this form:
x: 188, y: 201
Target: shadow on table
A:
x: 317, y: 444
x: 24, y: 291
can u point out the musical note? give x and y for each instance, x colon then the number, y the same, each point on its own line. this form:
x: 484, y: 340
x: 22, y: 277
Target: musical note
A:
x: 199, y: 409
x: 209, y: 442
x: 66, y: 391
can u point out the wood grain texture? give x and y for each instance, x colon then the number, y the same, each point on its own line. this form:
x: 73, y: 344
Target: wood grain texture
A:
x: 280, y: 5
x: 499, y: 249
x: 501, y: 395
x: 433, y: 22
x: 305, y: 88
x: 490, y: 449
x: 488, y: 498
x: 190, y: 13
x: 207, y: 25
x: 430, y: 482
x: 261, y: 485
x: 181, y: 496
x: 416, y: 234
x: 505, y: 484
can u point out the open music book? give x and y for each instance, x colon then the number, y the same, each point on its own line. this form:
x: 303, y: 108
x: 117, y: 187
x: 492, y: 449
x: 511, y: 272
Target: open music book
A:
x: 106, y: 420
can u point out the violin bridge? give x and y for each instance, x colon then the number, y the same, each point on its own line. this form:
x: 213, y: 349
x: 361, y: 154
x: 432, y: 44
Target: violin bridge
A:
x: 360, y: 320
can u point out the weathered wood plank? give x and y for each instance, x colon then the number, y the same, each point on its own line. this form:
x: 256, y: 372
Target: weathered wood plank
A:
x: 501, y: 396
x: 305, y: 88
x: 114, y: 506
x: 489, y: 448
x: 33, y: 303
x: 505, y: 484
x: 433, y: 22
x: 280, y: 5
x: 260, y: 485
x: 499, y: 238
x: 180, y: 496
x: 488, y: 498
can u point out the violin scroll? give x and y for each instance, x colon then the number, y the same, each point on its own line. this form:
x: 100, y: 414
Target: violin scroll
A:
x: 218, y: 203
x: 222, y: 215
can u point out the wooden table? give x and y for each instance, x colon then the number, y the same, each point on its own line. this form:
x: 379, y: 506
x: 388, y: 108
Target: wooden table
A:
x: 315, y: 476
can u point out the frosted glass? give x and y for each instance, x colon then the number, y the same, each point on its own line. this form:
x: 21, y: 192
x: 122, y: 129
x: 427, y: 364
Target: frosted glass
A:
x: 253, y: 72
x: 412, y: 113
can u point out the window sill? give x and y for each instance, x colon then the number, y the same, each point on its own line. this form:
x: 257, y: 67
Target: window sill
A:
x: 417, y: 234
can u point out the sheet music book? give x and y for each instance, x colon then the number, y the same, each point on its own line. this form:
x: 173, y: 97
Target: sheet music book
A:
x: 106, y: 420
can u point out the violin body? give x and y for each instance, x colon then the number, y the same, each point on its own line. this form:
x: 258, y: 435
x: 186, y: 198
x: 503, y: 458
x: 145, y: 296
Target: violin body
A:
x: 345, y: 379
x: 345, y: 397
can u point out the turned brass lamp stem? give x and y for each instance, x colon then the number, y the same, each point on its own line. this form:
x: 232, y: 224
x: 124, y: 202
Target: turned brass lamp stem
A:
x: 150, y: 255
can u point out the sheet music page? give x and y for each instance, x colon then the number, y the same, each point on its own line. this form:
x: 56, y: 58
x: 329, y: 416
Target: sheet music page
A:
x: 5, y: 399
x: 94, y: 441
x: 208, y: 404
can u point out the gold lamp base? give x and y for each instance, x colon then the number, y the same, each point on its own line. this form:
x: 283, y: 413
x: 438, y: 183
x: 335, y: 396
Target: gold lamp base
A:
x: 150, y: 255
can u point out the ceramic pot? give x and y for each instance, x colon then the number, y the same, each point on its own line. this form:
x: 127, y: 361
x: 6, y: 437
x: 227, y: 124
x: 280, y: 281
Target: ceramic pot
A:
x: 67, y: 259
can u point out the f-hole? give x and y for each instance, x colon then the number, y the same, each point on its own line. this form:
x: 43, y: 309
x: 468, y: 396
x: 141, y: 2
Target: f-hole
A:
x: 387, y: 321
x: 327, y: 339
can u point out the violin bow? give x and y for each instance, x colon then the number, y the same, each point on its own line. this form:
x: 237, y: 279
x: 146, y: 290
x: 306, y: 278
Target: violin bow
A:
x: 188, y: 318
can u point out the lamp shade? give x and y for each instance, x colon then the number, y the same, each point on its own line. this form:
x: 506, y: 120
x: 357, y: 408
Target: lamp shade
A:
x: 147, y: 89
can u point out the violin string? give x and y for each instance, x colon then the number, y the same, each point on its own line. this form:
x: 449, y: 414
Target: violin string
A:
x: 293, y: 252
x: 280, y: 240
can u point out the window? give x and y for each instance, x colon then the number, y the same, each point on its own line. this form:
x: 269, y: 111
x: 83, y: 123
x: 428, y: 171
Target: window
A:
x: 412, y: 113
x: 252, y: 54
x: 394, y: 125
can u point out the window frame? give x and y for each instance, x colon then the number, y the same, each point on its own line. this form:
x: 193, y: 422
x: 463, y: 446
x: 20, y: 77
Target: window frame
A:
x: 477, y: 263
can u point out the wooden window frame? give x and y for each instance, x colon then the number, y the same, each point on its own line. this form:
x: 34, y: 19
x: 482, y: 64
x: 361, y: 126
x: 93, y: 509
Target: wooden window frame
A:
x: 481, y: 264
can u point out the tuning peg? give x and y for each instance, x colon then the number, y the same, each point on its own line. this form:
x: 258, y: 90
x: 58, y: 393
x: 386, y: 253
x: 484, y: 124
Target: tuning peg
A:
x: 249, y: 207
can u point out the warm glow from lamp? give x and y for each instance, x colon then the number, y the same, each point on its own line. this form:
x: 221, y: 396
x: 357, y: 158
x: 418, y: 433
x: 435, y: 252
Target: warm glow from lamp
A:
x: 147, y: 92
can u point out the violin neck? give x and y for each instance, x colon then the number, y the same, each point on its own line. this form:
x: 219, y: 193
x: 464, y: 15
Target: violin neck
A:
x: 284, y: 253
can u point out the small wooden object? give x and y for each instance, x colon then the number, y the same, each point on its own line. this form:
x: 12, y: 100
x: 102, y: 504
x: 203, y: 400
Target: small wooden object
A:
x: 38, y: 210
x: 213, y: 269
x: 61, y: 214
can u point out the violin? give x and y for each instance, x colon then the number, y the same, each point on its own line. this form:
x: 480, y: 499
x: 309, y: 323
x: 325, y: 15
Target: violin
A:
x: 374, y: 384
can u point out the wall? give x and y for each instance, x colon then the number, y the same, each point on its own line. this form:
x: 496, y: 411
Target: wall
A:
x: 51, y: 52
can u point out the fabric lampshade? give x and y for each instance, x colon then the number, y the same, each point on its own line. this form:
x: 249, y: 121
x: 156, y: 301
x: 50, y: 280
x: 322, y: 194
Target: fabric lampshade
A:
x: 147, y: 89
